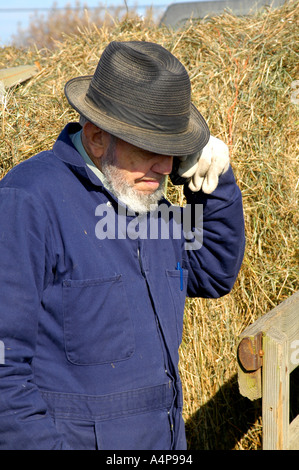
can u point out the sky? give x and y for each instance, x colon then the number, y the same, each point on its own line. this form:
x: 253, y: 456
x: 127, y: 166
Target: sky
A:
x: 12, y: 17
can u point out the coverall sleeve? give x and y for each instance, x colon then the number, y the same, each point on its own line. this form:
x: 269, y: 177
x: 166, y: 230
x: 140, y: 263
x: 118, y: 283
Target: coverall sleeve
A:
x: 24, y: 421
x: 213, y: 268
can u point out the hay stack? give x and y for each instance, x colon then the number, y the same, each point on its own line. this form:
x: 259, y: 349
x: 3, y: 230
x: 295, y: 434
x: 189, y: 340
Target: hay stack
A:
x: 242, y: 70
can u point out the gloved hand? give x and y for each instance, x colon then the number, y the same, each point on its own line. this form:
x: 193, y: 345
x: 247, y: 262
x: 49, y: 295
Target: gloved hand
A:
x: 202, y: 169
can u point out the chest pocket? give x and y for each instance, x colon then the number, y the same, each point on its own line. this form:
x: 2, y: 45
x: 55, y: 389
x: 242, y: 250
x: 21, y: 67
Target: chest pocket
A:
x: 97, y: 322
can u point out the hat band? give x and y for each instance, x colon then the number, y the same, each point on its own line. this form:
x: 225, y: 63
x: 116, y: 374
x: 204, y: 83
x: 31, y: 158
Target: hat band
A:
x: 153, y: 122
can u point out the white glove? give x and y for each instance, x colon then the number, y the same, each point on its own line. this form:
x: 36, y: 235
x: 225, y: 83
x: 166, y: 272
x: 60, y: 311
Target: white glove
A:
x: 203, y: 168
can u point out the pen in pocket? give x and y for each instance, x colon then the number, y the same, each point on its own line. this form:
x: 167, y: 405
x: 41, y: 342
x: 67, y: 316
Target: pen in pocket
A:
x: 181, y: 275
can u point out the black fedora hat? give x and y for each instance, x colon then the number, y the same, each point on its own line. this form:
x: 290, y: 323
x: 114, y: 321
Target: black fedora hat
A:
x: 141, y: 93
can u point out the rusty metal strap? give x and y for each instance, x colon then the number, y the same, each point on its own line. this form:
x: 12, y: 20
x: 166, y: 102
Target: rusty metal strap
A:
x: 250, y: 352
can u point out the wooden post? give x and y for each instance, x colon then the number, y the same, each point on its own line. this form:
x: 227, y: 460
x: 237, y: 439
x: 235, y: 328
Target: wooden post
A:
x: 266, y: 358
x: 276, y: 391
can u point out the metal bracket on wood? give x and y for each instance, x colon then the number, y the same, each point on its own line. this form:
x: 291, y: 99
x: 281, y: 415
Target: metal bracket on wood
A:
x: 250, y: 352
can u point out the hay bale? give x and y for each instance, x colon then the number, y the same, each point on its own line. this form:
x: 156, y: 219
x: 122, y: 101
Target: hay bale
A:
x: 242, y: 70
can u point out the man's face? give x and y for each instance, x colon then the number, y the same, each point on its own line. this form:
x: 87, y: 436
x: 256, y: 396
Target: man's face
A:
x: 141, y: 169
x: 136, y: 176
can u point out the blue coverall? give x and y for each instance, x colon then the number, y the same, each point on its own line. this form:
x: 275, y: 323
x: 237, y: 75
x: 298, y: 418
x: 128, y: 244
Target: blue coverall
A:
x: 91, y: 327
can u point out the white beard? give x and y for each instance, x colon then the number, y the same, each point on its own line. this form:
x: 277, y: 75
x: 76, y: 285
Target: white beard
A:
x: 134, y: 199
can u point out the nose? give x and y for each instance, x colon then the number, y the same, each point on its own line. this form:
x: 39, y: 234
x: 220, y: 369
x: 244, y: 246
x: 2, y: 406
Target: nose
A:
x: 163, y: 165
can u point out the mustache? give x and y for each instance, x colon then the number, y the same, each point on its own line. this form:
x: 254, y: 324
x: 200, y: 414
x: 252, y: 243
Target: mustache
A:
x: 124, y: 192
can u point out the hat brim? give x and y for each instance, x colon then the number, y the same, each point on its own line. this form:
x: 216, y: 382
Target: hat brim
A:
x: 176, y: 144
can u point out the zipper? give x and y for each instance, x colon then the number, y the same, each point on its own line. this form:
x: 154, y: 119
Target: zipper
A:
x: 165, y: 351
x: 140, y: 262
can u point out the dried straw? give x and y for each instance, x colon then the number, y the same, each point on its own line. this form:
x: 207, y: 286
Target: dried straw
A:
x: 242, y: 70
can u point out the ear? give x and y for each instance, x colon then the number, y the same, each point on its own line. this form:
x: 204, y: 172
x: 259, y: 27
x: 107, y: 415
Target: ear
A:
x: 95, y: 141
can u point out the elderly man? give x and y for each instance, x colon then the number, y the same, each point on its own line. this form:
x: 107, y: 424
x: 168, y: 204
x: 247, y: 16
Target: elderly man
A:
x: 91, y: 322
